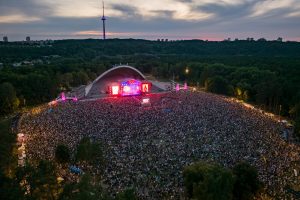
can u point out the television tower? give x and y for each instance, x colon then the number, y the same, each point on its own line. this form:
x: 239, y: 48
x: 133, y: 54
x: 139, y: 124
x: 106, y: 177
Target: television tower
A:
x: 103, y: 20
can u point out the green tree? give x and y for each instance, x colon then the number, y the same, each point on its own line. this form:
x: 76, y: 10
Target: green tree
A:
x: 8, y: 160
x: 80, y: 78
x: 86, y: 189
x: 40, y: 182
x: 10, y: 188
x: 8, y: 99
x: 89, y: 151
x: 62, y: 154
x: 246, y: 181
x: 219, y: 85
x: 295, y: 113
x: 127, y: 194
x: 208, y: 181
x: 66, y: 80
x: 297, y: 127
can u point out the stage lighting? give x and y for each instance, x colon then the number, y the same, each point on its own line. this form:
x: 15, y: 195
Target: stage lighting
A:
x: 115, y: 90
x: 126, y: 88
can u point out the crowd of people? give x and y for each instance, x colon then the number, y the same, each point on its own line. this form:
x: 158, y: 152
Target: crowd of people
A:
x: 147, y: 147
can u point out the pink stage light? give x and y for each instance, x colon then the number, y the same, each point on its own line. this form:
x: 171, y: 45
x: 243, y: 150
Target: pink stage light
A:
x: 63, y: 96
x: 185, y: 86
x: 177, y: 87
x: 115, y: 90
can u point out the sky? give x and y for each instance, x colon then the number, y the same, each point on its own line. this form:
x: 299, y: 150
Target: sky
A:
x: 150, y: 19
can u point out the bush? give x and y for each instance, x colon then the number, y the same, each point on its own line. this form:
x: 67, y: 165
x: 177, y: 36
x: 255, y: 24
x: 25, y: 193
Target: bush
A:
x: 127, y: 194
x: 87, y: 188
x: 208, y: 181
x: 297, y: 127
x: 62, y: 154
x: 89, y: 151
x: 246, y: 181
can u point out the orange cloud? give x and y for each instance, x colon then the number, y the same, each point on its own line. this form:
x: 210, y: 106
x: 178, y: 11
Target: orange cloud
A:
x: 113, y: 34
x: 17, y: 19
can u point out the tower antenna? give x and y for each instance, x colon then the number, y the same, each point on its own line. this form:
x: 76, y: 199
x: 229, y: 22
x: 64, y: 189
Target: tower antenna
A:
x: 103, y: 20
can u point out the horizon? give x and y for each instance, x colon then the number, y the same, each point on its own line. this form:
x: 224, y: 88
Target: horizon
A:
x: 154, y: 40
x: 170, y: 19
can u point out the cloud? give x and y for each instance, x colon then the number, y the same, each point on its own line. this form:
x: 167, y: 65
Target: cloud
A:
x: 27, y: 8
x: 150, y: 19
x: 16, y: 19
x: 294, y: 14
x: 95, y: 33
x: 125, y: 11
x: 266, y: 7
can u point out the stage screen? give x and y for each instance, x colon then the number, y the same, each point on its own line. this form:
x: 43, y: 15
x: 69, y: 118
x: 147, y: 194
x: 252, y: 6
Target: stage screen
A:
x: 145, y: 87
x: 130, y: 87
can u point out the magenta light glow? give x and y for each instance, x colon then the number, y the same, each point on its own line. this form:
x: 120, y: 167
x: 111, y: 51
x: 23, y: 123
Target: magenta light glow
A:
x: 177, y: 87
x: 63, y: 96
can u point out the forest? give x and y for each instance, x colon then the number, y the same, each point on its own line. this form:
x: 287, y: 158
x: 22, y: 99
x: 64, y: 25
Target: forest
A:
x: 264, y: 73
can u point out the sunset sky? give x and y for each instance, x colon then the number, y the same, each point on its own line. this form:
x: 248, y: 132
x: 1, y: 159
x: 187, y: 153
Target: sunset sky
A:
x: 172, y: 19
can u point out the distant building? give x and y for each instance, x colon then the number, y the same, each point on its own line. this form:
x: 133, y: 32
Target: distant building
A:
x: 27, y: 39
x: 5, y: 39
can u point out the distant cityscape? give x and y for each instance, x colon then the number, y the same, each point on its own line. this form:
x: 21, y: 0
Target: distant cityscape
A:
x: 28, y: 40
x: 43, y: 42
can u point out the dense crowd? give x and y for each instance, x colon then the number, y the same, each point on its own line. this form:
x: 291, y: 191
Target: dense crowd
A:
x: 147, y: 147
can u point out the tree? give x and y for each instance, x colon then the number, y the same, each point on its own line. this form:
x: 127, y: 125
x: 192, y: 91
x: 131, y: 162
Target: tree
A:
x: 295, y: 113
x: 62, y: 154
x: 66, y: 80
x: 297, y: 127
x: 39, y: 182
x: 8, y: 99
x: 246, y: 181
x: 127, y: 194
x: 10, y: 189
x: 86, y: 189
x: 89, y: 151
x: 80, y: 78
x: 8, y: 159
x: 84, y: 149
x: 218, y: 85
x: 208, y: 181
